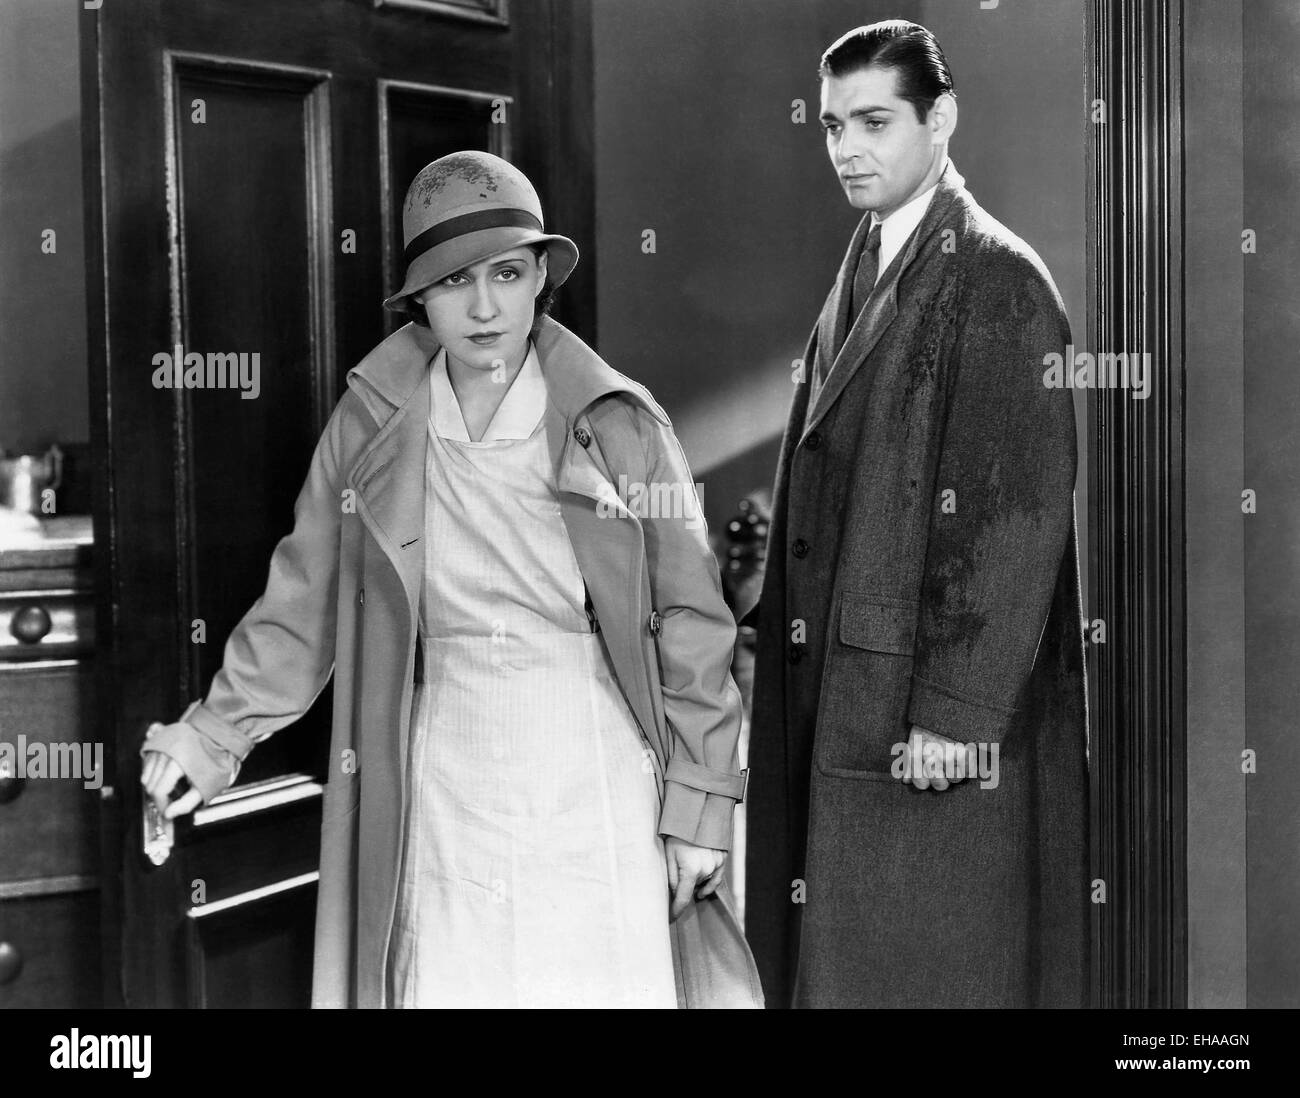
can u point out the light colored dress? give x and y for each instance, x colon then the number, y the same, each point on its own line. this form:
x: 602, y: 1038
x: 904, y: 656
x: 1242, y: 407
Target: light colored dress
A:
x: 532, y: 874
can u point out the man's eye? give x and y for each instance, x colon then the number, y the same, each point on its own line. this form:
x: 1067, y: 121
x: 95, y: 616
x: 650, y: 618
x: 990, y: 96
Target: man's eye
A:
x: 830, y: 128
x: 875, y: 124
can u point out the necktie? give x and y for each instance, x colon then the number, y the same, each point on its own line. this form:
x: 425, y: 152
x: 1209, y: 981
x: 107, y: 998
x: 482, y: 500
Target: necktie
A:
x: 864, y: 281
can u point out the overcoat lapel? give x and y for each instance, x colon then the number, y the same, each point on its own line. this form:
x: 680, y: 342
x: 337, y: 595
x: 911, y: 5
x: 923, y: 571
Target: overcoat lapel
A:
x: 835, y: 313
x: 882, y: 307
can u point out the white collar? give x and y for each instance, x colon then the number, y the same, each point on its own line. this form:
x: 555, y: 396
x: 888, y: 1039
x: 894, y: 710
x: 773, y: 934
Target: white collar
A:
x: 899, y: 225
x: 516, y: 417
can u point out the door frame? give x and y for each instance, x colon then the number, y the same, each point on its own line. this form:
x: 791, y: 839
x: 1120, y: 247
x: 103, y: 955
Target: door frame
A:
x: 1138, y: 730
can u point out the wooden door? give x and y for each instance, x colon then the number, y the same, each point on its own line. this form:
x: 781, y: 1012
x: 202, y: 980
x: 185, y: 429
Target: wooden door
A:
x: 245, y: 165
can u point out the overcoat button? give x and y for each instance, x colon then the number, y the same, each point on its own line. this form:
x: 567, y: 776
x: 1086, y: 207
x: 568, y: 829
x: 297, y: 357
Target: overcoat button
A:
x: 795, y: 654
x: 799, y: 548
x: 656, y: 623
x: 583, y: 436
x: 813, y: 440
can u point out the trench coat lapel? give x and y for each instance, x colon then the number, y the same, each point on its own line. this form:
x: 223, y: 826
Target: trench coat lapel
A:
x: 882, y: 307
x: 389, y: 481
x: 609, y: 545
x: 606, y: 535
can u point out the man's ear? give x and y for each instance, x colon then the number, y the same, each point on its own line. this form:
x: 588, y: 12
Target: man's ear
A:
x: 943, y: 119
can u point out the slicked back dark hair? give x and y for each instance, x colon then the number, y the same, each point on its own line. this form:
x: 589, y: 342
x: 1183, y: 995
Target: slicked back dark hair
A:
x: 907, y: 48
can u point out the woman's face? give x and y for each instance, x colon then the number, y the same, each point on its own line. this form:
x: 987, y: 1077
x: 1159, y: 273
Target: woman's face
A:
x: 483, y: 314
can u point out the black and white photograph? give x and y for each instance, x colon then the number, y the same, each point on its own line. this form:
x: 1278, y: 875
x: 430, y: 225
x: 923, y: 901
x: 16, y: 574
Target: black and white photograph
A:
x: 599, y: 505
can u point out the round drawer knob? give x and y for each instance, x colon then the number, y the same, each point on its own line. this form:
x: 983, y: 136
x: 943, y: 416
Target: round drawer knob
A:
x: 30, y: 624
x: 11, y: 962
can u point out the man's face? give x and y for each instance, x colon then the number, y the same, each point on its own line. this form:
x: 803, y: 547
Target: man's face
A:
x: 879, y: 150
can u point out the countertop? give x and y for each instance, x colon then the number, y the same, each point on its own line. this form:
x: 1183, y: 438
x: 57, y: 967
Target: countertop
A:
x: 62, y: 541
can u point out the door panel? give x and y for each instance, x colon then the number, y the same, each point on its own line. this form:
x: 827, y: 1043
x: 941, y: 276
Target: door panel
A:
x: 253, y: 263
x: 247, y: 951
x: 419, y: 123
x: 246, y: 164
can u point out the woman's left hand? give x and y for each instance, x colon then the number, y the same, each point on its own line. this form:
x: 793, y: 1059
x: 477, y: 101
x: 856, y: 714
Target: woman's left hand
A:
x: 691, y: 867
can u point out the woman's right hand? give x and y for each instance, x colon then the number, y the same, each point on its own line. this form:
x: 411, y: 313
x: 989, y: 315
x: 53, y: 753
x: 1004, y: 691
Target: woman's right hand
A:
x: 160, y: 775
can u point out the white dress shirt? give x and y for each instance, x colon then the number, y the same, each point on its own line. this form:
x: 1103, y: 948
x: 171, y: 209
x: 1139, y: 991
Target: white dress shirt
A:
x: 516, y: 417
x: 898, y: 226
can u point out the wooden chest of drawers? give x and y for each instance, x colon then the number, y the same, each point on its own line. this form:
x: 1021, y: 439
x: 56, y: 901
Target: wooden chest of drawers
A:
x: 51, y: 776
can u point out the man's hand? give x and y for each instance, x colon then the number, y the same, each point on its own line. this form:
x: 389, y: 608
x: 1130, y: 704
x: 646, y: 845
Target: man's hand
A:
x: 691, y: 867
x: 938, y: 760
x: 159, y: 777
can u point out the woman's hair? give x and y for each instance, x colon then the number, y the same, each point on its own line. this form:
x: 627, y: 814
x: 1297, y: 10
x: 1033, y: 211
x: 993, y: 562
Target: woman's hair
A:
x: 541, y: 304
x: 907, y: 48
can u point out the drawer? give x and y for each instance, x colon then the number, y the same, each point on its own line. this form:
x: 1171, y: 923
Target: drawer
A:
x: 49, y: 826
x: 50, y: 951
x: 43, y: 624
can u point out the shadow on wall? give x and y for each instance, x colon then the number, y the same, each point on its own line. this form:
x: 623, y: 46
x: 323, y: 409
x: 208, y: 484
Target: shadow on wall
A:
x: 699, y: 141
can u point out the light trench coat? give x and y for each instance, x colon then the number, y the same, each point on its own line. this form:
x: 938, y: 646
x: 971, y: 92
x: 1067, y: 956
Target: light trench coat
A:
x: 342, y: 597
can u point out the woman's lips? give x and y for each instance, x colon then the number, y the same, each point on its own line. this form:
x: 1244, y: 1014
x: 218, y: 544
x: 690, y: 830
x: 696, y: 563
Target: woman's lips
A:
x: 486, y: 339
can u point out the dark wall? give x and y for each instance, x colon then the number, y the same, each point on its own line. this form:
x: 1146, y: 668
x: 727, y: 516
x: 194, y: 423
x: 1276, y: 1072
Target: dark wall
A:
x: 43, y: 396
x: 695, y: 140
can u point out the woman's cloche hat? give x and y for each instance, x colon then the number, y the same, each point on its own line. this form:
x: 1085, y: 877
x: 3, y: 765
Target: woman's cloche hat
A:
x: 466, y: 207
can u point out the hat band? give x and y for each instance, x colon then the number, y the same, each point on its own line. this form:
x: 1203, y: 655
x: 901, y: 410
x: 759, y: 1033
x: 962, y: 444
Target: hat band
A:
x: 468, y: 223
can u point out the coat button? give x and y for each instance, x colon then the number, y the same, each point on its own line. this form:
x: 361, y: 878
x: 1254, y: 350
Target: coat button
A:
x: 795, y: 654
x: 655, y: 623
x: 583, y: 436
x: 799, y: 548
x: 813, y: 440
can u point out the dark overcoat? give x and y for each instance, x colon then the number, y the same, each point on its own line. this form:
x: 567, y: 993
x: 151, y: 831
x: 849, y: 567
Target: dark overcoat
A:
x: 922, y: 570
